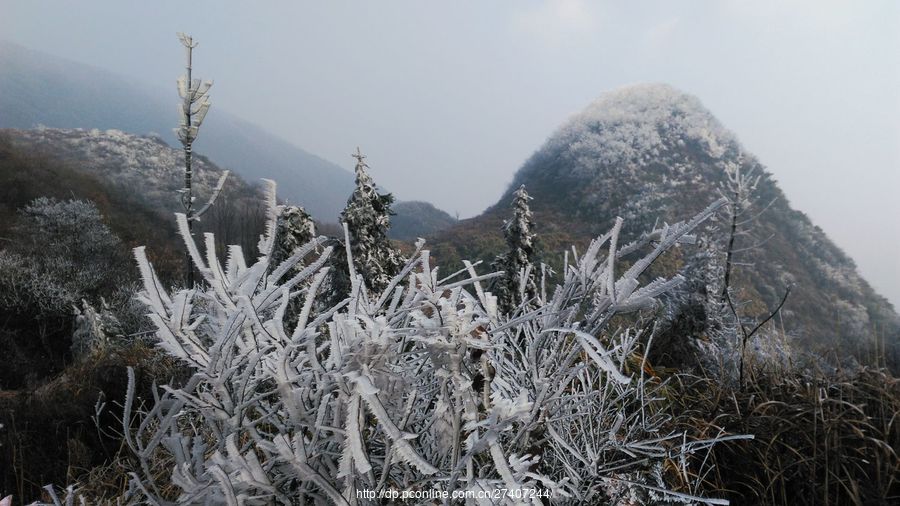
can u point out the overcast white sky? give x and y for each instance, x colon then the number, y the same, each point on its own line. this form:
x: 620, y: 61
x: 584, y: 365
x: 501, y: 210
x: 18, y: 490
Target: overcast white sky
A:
x: 448, y: 99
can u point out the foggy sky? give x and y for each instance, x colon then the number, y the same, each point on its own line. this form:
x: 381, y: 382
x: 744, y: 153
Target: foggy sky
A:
x: 448, y: 99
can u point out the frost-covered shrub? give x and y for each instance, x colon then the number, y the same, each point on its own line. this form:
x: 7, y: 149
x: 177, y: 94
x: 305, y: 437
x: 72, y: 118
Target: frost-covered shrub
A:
x: 421, y: 385
x: 94, y: 329
x: 62, y: 252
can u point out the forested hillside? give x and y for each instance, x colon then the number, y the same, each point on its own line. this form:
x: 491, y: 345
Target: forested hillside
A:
x: 40, y: 89
x: 649, y: 153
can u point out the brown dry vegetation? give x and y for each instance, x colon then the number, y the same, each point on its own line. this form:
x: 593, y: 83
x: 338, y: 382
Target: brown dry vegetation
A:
x: 818, y: 440
x: 49, y: 435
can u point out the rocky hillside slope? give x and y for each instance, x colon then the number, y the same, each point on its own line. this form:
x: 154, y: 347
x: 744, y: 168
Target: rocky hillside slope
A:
x: 127, y: 176
x: 649, y: 154
x: 40, y: 89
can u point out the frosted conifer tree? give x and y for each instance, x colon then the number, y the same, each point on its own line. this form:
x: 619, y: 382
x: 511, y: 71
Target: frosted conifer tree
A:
x: 738, y: 188
x: 295, y: 228
x: 192, y: 110
x: 367, y: 219
x: 518, y: 283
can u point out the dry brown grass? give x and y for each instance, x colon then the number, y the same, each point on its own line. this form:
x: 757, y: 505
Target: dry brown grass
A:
x: 49, y: 436
x: 818, y: 440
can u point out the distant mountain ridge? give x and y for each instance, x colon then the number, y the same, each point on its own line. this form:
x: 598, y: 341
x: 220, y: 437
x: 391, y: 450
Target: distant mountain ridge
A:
x: 148, y: 168
x: 133, y: 181
x: 144, y: 166
x: 416, y: 219
x: 39, y: 89
x: 651, y: 153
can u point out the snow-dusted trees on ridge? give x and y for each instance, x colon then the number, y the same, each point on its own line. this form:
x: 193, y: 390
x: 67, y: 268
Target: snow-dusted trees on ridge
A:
x: 518, y: 283
x: 378, y: 392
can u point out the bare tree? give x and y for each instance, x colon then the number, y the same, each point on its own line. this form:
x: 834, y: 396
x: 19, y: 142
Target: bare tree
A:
x: 738, y: 189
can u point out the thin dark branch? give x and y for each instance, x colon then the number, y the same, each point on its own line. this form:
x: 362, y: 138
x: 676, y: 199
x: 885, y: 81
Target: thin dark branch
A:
x: 772, y: 314
x: 747, y: 335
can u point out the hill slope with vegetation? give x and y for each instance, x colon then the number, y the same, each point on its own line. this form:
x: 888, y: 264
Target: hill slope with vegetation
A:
x: 415, y: 219
x: 322, y: 369
x: 649, y: 154
x: 81, y: 180
x: 40, y: 89
x: 43, y: 90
